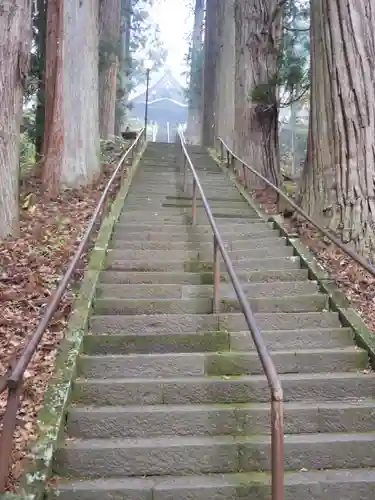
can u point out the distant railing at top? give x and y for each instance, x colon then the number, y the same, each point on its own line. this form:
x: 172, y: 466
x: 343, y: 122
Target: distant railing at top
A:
x: 277, y: 403
x: 13, y: 380
x: 231, y: 158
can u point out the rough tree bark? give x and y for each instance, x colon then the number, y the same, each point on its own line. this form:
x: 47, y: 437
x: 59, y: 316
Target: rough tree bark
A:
x: 53, y: 138
x: 81, y: 161
x: 194, y: 123
x: 15, y: 44
x: 125, y: 65
x: 210, y: 72
x: 71, y: 142
x: 226, y: 76
x: 109, y: 32
x: 339, y: 178
x: 258, y: 34
x: 41, y: 22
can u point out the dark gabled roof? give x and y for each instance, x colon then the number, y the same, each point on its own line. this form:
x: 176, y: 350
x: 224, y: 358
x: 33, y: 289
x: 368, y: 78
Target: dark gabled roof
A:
x: 165, y: 88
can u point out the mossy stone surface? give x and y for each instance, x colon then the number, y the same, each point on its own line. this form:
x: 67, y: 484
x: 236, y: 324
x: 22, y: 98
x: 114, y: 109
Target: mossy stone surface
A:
x: 51, y: 418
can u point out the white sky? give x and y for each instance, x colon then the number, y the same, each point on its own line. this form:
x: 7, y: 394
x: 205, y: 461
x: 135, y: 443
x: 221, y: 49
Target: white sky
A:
x: 175, y: 22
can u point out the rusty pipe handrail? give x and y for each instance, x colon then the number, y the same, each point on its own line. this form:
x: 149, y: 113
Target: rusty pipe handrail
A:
x: 348, y: 251
x: 277, y: 427
x: 13, y: 381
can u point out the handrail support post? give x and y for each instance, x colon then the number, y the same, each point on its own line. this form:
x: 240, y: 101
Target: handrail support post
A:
x: 185, y: 175
x: 194, y: 206
x: 277, y: 449
x: 216, y: 279
x: 245, y: 176
x: 6, y: 437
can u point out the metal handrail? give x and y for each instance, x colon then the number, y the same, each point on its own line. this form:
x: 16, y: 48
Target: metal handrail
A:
x: 230, y: 156
x: 13, y: 380
x: 277, y: 399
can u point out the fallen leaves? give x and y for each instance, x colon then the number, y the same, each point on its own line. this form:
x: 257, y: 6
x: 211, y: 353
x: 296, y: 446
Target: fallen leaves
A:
x: 30, y: 268
x: 355, y: 283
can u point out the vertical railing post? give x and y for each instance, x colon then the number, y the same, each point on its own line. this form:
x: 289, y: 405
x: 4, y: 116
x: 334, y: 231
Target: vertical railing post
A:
x: 185, y: 174
x: 6, y: 437
x: 216, y: 279
x: 277, y: 449
x: 228, y: 159
x: 221, y: 151
x: 245, y: 176
x: 194, y: 206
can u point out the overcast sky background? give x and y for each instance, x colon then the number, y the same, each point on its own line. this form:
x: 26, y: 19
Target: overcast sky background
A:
x: 175, y: 23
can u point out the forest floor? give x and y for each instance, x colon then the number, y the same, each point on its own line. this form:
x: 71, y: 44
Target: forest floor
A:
x: 30, y: 268
x: 355, y: 283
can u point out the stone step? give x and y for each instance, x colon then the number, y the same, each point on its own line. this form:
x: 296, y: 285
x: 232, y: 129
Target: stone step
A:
x: 190, y: 236
x: 139, y: 211
x: 108, y: 422
x: 162, y: 343
x: 223, y: 390
x: 96, y: 458
x: 198, y: 230
x: 235, y: 322
x: 288, y: 303
x: 342, y: 484
x: 219, y: 364
x: 248, y: 244
x: 237, y: 203
x: 118, y: 255
x: 190, y: 265
x: 184, y: 219
x: 213, y: 199
x: 277, y: 289
x: 180, y: 342
x: 183, y: 278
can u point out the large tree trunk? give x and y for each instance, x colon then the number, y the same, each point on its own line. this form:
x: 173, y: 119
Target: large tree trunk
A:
x: 194, y: 123
x: 41, y: 22
x: 225, y: 82
x: 258, y: 34
x: 15, y: 44
x: 81, y: 163
x: 53, y: 141
x: 125, y: 66
x: 210, y: 72
x: 109, y: 29
x: 339, y: 180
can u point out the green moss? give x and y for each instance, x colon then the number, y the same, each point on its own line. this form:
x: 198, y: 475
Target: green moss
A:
x: 51, y: 418
x: 337, y: 300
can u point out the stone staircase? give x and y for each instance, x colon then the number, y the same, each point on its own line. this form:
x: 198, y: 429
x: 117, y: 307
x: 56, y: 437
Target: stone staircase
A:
x: 170, y: 402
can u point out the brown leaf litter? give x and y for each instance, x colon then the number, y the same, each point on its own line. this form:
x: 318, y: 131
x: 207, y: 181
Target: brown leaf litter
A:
x: 30, y: 268
x: 355, y: 283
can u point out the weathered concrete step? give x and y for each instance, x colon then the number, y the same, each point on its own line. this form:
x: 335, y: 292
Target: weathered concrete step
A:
x: 276, y: 289
x: 248, y: 264
x: 323, y: 338
x: 205, y: 246
x: 139, y: 212
x: 288, y: 304
x: 191, y: 235
x: 237, y: 203
x: 342, y: 484
x: 118, y: 277
x: 148, y: 343
x: 224, y: 198
x: 221, y: 390
x: 184, y: 219
x: 234, y: 322
x: 203, y: 455
x: 217, y: 364
x: 183, y: 229
x: 108, y: 422
x: 139, y: 343
x: 118, y: 255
